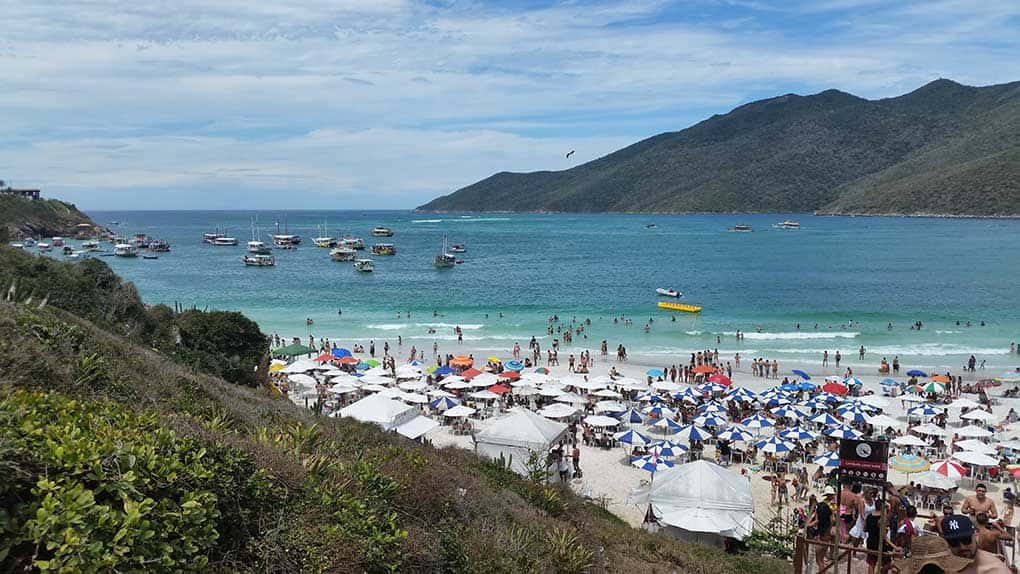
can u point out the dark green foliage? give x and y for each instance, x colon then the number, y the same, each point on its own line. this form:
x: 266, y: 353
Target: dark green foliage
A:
x: 942, y: 149
x: 20, y: 217
x: 222, y: 343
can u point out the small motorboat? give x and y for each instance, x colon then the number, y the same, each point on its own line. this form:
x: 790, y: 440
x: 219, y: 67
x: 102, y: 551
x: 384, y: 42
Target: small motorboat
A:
x: 225, y: 241
x: 458, y: 248
x: 651, y: 226
x: 364, y: 265
x: 669, y: 292
x: 384, y: 249
x: 150, y: 256
x: 125, y: 250
x: 343, y: 254
x: 259, y: 260
x: 788, y: 224
x: 741, y: 228
x: 382, y: 232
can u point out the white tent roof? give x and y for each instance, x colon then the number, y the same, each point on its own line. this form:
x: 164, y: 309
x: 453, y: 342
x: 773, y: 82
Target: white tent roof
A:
x: 975, y: 458
x: 557, y: 411
x: 383, y: 411
x: 484, y: 380
x: 703, y: 497
x: 522, y: 428
x: 416, y: 427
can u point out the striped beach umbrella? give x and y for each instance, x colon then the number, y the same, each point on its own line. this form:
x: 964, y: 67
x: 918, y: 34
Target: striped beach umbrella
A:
x: 798, y: 433
x: 789, y: 412
x: 659, y: 411
x: 651, y: 463
x: 692, y: 433
x: 776, y: 401
x: 816, y: 403
x: 688, y: 394
x: 857, y: 404
x: 909, y: 463
x: 774, y: 445
x: 668, y: 449
x: 711, y: 388
x: 741, y: 392
x: 667, y: 425
x: 924, y: 411
x: 443, y: 403
x: 710, y: 420
x: 931, y: 387
x: 736, y: 433
x: 949, y: 468
x: 842, y: 431
x: 829, y: 460
x: 854, y: 416
x: 632, y: 437
x: 824, y: 419
x: 632, y: 416
x: 757, y: 422
x: 712, y: 407
x: 852, y: 382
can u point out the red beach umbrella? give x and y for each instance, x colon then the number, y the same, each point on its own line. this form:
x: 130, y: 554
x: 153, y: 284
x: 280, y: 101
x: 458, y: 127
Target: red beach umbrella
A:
x: 470, y: 373
x: 720, y: 379
x: 348, y: 360
x: 499, y: 389
x: 324, y: 357
x: 834, y: 388
x: 512, y: 375
x: 704, y: 369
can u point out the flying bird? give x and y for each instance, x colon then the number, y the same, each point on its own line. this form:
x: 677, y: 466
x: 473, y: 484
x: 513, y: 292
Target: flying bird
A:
x: 570, y: 153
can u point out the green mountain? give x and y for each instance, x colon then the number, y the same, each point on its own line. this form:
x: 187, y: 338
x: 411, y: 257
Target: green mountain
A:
x: 21, y: 217
x: 123, y: 450
x: 944, y: 148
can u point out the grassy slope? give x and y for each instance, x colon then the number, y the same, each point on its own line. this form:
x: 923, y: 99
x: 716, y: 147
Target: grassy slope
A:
x: 459, y: 515
x: 927, y: 151
x: 40, y: 218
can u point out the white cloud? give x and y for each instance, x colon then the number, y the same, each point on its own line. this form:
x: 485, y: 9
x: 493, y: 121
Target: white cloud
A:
x: 356, y: 98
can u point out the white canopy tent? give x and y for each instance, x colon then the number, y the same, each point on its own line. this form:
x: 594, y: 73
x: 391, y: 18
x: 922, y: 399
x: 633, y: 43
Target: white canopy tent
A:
x: 702, y: 502
x: 516, y: 435
x: 390, y: 414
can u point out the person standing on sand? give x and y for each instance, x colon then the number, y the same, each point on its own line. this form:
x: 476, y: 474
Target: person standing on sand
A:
x: 861, y: 352
x: 575, y: 457
x: 825, y: 358
x: 838, y: 359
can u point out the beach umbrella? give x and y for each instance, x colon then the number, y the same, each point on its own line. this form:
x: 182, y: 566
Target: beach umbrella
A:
x: 949, y: 468
x: 1010, y: 444
x: 975, y: 445
x: 829, y: 460
x: 883, y: 421
x: 774, y: 445
x: 633, y: 385
x: 444, y: 370
x: 856, y: 404
x: 704, y: 369
x: 736, y: 434
x: 470, y: 373
x: 940, y: 379
x: 513, y: 365
x: 459, y: 411
x: 632, y: 437
x: 583, y: 384
x: 788, y: 387
x: 924, y: 411
x: 741, y: 398
x: 916, y: 373
x: 852, y: 382
x: 325, y: 357
x: 412, y: 386
x: 437, y: 393
x: 511, y: 375
x: 854, y: 416
x: 691, y: 433
x: 534, y: 378
x: 776, y: 401
x: 711, y: 388
x: 525, y: 391
x: 909, y: 463
x: 802, y: 374
x: 600, y: 421
x: 610, y: 407
x: 654, y: 372
x: 824, y: 419
x: 485, y: 395
x: 842, y: 431
x: 557, y: 411
x: 372, y: 363
x: 484, y: 380
x: 872, y: 402
x: 494, y: 359
x: 550, y: 392
x: 667, y: 425
x: 607, y: 394
x: 667, y: 448
x: 741, y: 392
x: 932, y: 479
x: 931, y: 387
x: 930, y: 429
x: 414, y: 398
x: 788, y: 412
x: 649, y: 398
x: 975, y: 458
x: 631, y: 416
x: 457, y: 385
x: 652, y: 463
x: 757, y: 422
x: 572, y: 398
x: 1009, y: 376
x: 540, y: 370
x: 963, y: 403
x: 710, y: 420
x: 889, y: 383
x: 341, y: 352
x: 816, y: 403
x: 720, y: 379
x: 835, y: 388
x: 830, y: 398
x: 499, y: 389
x: 665, y: 386
x: 659, y: 411
x: 974, y: 431
x: 806, y: 386
x: 712, y: 407
x: 979, y: 415
x: 798, y: 433
x: 908, y: 440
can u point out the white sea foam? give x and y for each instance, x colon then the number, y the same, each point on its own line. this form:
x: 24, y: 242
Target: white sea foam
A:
x: 693, y: 333
x: 426, y: 221
x: 389, y: 326
x: 464, y: 326
x: 795, y: 335
x: 889, y: 351
x: 946, y: 332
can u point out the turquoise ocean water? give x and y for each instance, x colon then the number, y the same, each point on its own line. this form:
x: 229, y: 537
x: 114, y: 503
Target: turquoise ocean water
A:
x: 871, y: 271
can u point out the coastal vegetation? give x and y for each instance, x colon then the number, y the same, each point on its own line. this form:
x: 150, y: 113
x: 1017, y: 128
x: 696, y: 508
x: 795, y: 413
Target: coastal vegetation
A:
x: 121, y: 454
x: 23, y: 217
x: 943, y: 149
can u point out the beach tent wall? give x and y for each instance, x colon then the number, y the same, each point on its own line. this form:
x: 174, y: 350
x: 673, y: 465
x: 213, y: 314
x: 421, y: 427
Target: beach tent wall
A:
x: 516, y: 435
x: 390, y: 414
x: 702, y: 501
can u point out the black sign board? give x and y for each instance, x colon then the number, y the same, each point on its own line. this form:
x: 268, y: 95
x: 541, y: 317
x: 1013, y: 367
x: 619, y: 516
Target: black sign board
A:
x: 864, y: 461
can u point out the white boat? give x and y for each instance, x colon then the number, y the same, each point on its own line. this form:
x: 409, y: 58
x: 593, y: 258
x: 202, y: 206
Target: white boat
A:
x: 668, y: 292
x: 342, y: 254
x: 364, y: 265
x: 458, y: 248
x: 285, y: 240
x: 382, y: 232
x: 159, y: 246
x: 445, y: 259
x: 788, y: 224
x: 43, y: 246
x: 259, y: 260
x: 90, y: 245
x: 140, y: 241
x: 211, y: 238
x: 18, y: 245
x: 350, y: 242
x: 225, y: 241
x: 742, y: 228
x: 125, y: 250
x: 324, y: 241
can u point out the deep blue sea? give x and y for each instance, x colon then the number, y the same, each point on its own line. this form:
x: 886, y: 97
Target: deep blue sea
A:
x: 849, y: 276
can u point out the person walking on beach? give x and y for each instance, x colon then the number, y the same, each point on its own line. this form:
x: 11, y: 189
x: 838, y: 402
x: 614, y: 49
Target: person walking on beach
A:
x: 575, y: 457
x: 564, y: 467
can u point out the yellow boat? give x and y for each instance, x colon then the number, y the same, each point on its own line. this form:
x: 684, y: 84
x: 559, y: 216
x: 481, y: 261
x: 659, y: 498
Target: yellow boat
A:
x: 679, y: 307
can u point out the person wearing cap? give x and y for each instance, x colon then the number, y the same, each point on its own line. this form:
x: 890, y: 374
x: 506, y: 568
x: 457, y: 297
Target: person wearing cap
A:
x: 821, y: 522
x: 958, y: 530
x: 931, y: 555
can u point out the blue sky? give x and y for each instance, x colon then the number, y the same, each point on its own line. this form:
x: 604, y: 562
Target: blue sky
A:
x: 239, y: 104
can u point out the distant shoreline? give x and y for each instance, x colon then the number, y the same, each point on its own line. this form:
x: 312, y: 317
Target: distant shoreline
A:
x: 812, y: 214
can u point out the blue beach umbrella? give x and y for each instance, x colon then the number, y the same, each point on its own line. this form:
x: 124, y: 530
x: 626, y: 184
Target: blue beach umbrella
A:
x: 815, y: 403
x: 659, y: 411
x: 909, y: 463
x: 667, y: 425
x: 774, y: 445
x: 631, y: 416
x: 889, y: 383
x: 710, y: 420
x: 362, y: 366
x: 736, y: 434
x: 691, y: 433
x: 802, y: 374
x: 741, y: 393
x: 924, y: 411
x: 830, y: 460
x: 777, y: 401
x: 787, y: 412
x: 852, y: 382
x: 443, y: 403
x: 667, y: 448
x: 788, y: 388
x: 688, y: 394
x: 651, y: 463
x: 842, y: 431
x: 654, y: 372
x: 829, y: 398
x: 806, y: 386
x: 916, y: 373
x: 757, y: 422
x: 824, y: 419
x: 711, y: 388
x: 632, y: 437
x: 712, y: 407
x: 1010, y: 376
x: 854, y: 416
x: 444, y: 370
x: 513, y: 366
x: 798, y: 433
x: 340, y: 352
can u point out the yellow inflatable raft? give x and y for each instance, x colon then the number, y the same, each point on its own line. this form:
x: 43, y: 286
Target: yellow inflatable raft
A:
x: 680, y: 307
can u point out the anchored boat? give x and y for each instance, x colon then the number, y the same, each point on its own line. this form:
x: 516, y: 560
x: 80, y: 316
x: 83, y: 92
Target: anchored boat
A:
x: 382, y: 232
x: 445, y: 259
x: 259, y: 260
x: 364, y: 265
x: 668, y: 292
x: 384, y: 249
